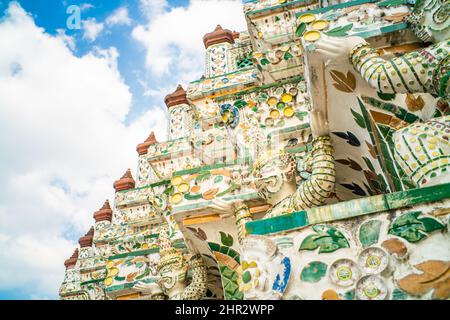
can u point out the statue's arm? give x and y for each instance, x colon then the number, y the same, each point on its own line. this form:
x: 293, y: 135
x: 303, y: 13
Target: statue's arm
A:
x: 407, y: 73
x: 319, y: 186
x: 419, y: 71
x: 196, y: 290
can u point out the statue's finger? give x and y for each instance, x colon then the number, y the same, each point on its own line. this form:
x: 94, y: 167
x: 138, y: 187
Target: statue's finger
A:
x: 214, y: 207
x: 328, y: 41
x: 325, y: 46
x: 331, y: 40
x: 323, y: 52
x: 226, y: 204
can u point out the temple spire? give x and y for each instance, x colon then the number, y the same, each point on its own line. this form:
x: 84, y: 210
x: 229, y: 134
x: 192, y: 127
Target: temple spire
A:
x: 104, y: 213
x: 86, y: 240
x: 72, y: 260
x: 125, y: 183
x: 219, y: 35
x: 142, y: 148
x: 176, y: 98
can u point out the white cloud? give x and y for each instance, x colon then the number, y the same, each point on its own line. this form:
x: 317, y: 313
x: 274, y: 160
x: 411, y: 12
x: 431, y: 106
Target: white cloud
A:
x: 63, y: 143
x: 110, y: 55
x: 83, y: 6
x: 152, y: 8
x: 173, y: 36
x: 157, y: 91
x: 92, y: 29
x: 119, y: 17
x: 86, y: 6
x: 68, y: 40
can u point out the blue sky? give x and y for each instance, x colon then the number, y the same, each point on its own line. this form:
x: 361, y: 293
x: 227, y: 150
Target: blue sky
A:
x: 73, y: 106
x: 51, y: 15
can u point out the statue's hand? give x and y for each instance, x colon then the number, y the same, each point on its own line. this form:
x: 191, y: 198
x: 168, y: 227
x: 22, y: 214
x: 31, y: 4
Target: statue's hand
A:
x: 334, y: 50
x: 225, y: 208
x: 146, y: 288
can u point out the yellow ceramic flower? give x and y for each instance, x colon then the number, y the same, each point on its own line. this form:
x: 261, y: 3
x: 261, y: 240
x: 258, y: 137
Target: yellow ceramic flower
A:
x: 108, y: 281
x: 248, y: 275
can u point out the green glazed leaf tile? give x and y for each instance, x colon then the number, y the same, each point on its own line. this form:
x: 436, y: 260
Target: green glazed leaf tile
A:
x: 227, y: 239
x: 369, y: 232
x: 413, y: 229
x: 328, y: 239
x: 313, y: 272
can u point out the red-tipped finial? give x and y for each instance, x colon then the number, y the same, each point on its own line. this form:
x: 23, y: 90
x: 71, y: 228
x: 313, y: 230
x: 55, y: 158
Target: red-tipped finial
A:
x: 86, y: 240
x: 219, y: 35
x: 142, y: 148
x: 177, y: 97
x: 104, y: 213
x: 125, y: 183
x: 72, y: 260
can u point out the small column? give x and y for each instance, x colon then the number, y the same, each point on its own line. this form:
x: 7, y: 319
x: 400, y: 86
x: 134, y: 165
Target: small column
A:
x: 103, y: 218
x: 218, y: 44
x: 181, y: 114
x: 145, y: 174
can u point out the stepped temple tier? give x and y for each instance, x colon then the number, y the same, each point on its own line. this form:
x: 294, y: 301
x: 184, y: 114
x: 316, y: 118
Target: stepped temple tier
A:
x: 311, y: 161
